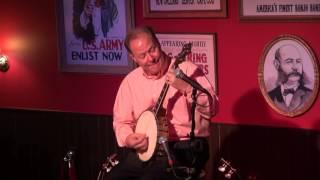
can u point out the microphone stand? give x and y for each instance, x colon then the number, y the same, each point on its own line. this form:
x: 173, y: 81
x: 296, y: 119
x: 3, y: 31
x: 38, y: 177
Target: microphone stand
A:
x: 195, y: 86
x: 193, y: 112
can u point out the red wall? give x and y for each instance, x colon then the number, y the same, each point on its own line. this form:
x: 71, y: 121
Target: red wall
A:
x: 28, y: 35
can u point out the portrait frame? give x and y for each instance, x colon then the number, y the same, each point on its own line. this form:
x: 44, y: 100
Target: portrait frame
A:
x: 268, y: 75
x: 203, y: 51
x: 106, y: 53
x: 279, y: 10
x: 190, y: 9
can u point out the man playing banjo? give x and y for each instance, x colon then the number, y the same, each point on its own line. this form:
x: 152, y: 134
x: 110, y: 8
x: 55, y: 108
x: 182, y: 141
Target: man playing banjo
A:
x: 151, y: 96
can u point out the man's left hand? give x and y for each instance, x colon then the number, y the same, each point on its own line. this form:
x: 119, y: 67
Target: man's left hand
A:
x: 177, y: 83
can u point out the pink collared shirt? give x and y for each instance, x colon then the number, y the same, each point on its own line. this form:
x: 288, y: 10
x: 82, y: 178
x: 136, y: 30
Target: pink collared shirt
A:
x: 138, y: 93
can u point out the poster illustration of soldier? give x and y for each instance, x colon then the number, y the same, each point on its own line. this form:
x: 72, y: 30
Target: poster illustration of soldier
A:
x: 93, y: 19
x: 93, y: 36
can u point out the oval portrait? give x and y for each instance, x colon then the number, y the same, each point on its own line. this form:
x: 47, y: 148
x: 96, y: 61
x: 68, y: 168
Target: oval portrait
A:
x: 288, y: 75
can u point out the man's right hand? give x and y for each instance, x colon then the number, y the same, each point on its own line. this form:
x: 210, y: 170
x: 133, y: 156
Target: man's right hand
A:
x: 137, y: 141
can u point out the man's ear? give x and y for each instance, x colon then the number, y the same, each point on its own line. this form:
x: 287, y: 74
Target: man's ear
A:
x: 276, y: 63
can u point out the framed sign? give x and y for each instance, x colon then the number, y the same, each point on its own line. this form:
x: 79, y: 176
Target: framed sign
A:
x: 92, y: 34
x: 289, y: 75
x: 185, y: 8
x: 203, y: 51
x: 291, y: 10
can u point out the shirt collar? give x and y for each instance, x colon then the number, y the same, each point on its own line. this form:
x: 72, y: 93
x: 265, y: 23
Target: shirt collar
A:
x: 283, y: 87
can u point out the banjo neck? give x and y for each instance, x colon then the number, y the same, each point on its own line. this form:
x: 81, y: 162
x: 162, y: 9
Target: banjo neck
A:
x: 159, y: 113
x: 156, y: 109
x: 179, y: 59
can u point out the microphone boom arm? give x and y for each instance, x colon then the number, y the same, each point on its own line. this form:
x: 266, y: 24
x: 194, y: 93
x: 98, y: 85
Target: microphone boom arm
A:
x: 193, y: 83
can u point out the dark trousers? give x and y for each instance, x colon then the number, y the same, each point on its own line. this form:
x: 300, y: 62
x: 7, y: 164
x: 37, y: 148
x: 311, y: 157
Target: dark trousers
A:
x: 189, y: 158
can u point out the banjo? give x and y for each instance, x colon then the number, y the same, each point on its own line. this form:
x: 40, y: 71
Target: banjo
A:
x: 152, y: 122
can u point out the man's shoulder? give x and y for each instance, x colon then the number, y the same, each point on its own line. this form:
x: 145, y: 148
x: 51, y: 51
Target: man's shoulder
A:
x: 304, y: 91
x: 275, y: 91
x: 304, y: 88
x: 135, y: 72
x: 133, y: 75
x: 275, y: 94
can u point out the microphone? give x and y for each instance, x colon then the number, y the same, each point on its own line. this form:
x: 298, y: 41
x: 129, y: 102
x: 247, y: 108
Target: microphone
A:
x: 194, y: 84
x: 163, y: 141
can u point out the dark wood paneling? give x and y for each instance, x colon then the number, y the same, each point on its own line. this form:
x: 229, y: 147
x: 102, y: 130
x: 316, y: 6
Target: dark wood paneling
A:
x: 265, y: 153
x: 33, y: 144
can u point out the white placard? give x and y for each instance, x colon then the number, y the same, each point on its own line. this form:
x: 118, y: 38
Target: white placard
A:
x: 202, y: 52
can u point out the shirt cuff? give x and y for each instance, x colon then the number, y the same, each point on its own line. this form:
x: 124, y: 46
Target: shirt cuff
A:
x: 122, y: 135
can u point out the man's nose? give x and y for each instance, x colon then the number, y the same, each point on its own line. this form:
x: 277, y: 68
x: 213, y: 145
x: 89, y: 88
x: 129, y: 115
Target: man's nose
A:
x: 149, y: 57
x: 295, y: 66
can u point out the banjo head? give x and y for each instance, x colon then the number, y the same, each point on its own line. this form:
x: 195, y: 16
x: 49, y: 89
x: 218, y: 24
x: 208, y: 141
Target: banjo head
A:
x: 147, y: 125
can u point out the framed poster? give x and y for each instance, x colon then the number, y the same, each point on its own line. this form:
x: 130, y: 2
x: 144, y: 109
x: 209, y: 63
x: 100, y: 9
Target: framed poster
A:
x: 203, y: 51
x: 291, y: 10
x: 289, y: 75
x: 185, y: 8
x: 92, y: 34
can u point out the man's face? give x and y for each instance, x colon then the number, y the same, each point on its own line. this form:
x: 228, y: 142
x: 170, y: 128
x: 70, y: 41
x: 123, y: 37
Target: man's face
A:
x: 147, y: 54
x: 89, y: 7
x: 290, y: 63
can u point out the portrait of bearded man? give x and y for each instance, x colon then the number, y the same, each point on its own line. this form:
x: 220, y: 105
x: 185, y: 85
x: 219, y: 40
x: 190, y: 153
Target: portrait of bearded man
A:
x: 290, y: 93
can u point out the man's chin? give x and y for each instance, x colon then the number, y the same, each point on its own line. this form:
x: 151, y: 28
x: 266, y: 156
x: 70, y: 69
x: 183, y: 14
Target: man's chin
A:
x: 155, y: 73
x: 155, y: 69
x: 152, y: 72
